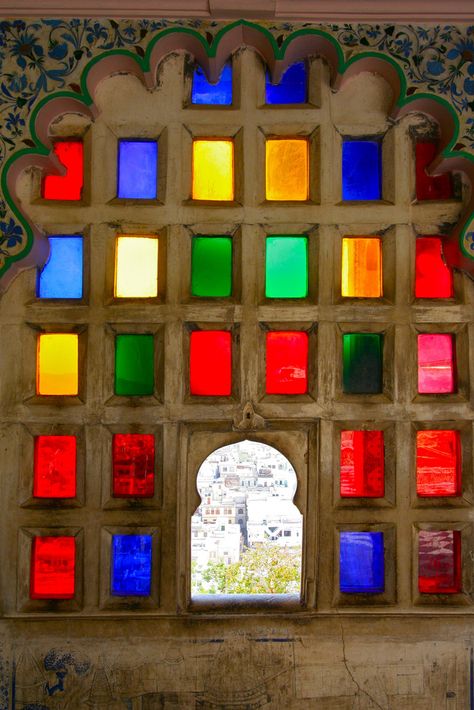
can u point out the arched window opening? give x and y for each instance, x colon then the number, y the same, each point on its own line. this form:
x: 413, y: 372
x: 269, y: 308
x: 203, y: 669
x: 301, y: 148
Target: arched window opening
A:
x: 246, y: 535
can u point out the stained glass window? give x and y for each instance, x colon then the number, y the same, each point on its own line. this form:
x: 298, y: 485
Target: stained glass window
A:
x: 134, y: 365
x: 362, y: 363
x: 58, y: 364
x: 133, y: 461
x: 287, y: 362
x: 211, y: 267
x: 213, y: 169
x: 362, y: 464
x: 361, y: 562
x: 55, y: 464
x: 361, y: 170
x: 439, y: 561
x: 287, y: 169
x: 70, y: 155
x: 292, y: 87
x: 62, y: 275
x: 131, y: 565
x: 53, y: 561
x: 210, y: 371
x: 218, y: 94
x: 286, y: 267
x: 436, y: 372
x: 137, y: 169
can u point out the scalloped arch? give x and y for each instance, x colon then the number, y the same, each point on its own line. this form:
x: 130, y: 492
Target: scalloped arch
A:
x: 458, y: 246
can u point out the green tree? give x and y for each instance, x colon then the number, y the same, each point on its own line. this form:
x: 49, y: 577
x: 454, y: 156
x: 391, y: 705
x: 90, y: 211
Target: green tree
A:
x: 263, y: 569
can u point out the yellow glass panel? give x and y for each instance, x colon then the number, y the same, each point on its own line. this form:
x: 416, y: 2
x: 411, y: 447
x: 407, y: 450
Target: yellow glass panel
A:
x: 136, y: 267
x: 361, y: 267
x: 213, y: 170
x: 58, y: 364
x: 287, y: 169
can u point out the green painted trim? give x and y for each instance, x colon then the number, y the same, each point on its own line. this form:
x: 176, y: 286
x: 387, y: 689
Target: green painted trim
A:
x: 86, y: 97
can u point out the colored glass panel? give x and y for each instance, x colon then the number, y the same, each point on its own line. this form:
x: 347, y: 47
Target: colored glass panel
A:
x: 61, y: 276
x: 438, y: 463
x: 211, y: 267
x: 439, y: 561
x: 131, y: 565
x: 137, y: 169
x: 361, y: 267
x: 361, y: 562
x: 287, y: 362
x: 292, y: 87
x: 211, y: 362
x: 362, y: 464
x: 55, y: 461
x: 136, y: 267
x: 362, y: 363
x: 433, y: 278
x: 286, y: 267
x: 134, y: 365
x: 436, y: 363
x: 133, y: 459
x: 68, y: 186
x: 361, y: 170
x: 287, y: 169
x: 57, y: 364
x: 218, y: 94
x: 213, y: 170
x: 430, y: 187
x: 53, y: 561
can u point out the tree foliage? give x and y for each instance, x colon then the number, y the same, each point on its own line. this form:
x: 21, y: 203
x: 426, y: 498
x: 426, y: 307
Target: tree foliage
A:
x: 263, y: 569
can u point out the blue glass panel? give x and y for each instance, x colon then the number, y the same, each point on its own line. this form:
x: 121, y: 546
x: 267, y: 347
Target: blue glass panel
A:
x: 137, y: 169
x: 292, y: 88
x: 61, y: 277
x: 131, y: 565
x: 361, y: 170
x: 361, y: 562
x: 219, y: 94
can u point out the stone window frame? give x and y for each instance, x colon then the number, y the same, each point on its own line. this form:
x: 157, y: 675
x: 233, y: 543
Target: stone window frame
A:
x: 270, y: 313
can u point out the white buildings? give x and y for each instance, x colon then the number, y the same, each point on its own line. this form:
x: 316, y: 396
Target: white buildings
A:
x: 247, y: 494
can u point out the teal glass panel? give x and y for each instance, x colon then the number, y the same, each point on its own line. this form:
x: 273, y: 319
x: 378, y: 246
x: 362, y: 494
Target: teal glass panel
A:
x: 286, y: 267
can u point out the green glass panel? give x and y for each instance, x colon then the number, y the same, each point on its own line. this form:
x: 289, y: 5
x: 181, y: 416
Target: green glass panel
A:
x: 134, y: 371
x: 362, y: 363
x: 211, y: 266
x: 286, y: 267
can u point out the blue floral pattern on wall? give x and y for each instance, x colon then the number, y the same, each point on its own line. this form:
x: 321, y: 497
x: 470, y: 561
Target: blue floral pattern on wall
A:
x: 43, y: 56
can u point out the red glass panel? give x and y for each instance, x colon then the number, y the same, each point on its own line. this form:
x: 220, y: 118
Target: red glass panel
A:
x: 362, y: 464
x: 211, y: 362
x: 436, y: 363
x: 438, y: 463
x: 52, y: 567
x: 436, y: 187
x: 133, y: 457
x: 68, y: 186
x: 287, y: 362
x: 55, y: 467
x: 433, y: 278
x: 439, y: 561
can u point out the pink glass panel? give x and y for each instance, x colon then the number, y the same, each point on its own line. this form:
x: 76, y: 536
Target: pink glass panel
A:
x: 436, y: 363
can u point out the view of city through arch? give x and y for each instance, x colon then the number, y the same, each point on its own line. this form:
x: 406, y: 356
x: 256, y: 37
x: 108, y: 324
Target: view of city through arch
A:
x: 246, y: 536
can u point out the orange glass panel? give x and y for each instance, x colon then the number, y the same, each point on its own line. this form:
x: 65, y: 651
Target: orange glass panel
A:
x: 57, y: 364
x: 213, y: 170
x: 287, y: 169
x: 361, y: 267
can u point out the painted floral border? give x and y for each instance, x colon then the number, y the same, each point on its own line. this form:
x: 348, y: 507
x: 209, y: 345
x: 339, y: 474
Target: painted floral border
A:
x: 39, y: 57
